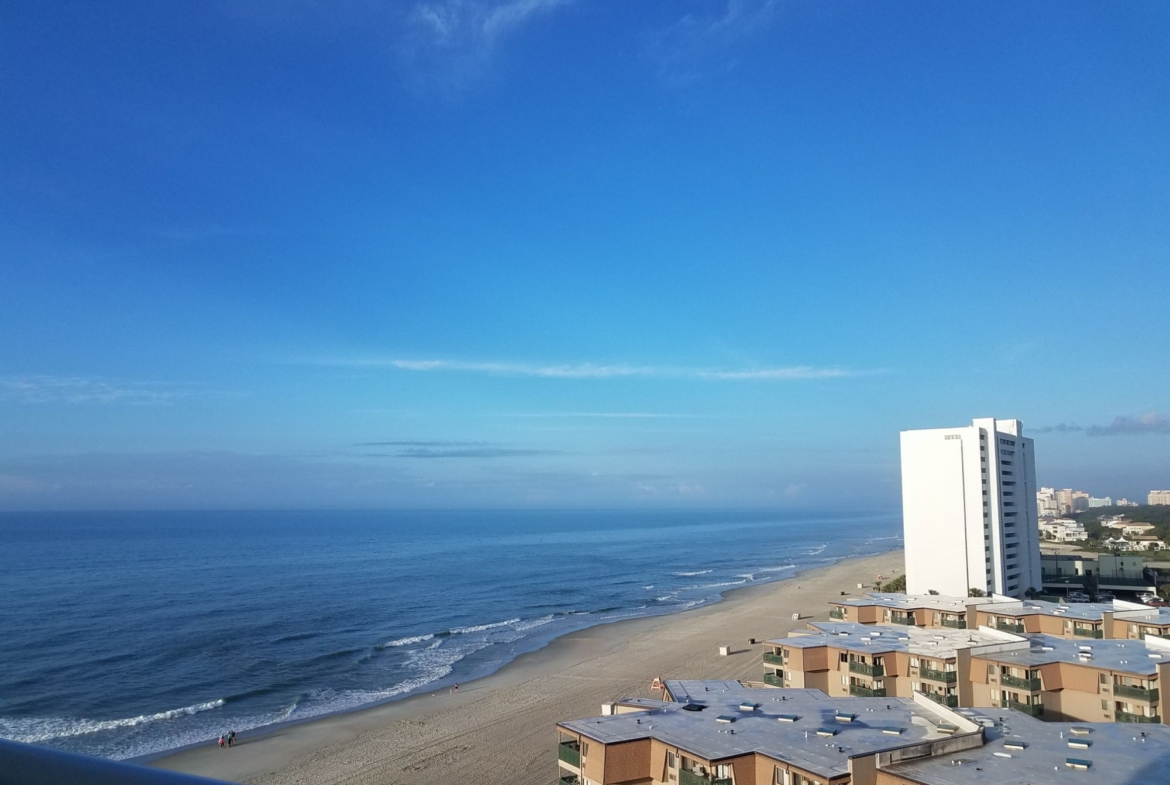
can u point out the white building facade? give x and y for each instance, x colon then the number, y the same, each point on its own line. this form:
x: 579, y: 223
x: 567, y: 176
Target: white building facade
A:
x: 969, y: 509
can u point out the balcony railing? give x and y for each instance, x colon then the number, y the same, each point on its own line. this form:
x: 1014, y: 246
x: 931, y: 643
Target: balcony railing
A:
x: 837, y: 613
x: 957, y: 624
x: 951, y: 701
x: 773, y: 659
x: 1140, y: 693
x: 1035, y: 709
x: 1125, y: 716
x: 692, y: 778
x: 773, y: 679
x: 858, y: 691
x: 944, y: 676
x: 1086, y: 632
x: 570, y: 754
x: 908, y: 620
x: 1031, y: 685
x: 1009, y: 626
x: 865, y: 669
x: 572, y: 779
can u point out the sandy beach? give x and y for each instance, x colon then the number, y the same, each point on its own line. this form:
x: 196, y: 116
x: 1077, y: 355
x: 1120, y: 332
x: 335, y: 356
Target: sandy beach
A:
x: 500, y: 729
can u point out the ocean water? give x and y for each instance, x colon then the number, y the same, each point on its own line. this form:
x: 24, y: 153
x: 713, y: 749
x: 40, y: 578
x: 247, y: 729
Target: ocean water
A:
x: 128, y: 634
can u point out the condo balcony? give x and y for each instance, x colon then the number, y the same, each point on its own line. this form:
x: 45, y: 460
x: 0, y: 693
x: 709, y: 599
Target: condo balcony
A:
x: 1035, y: 709
x: 1125, y: 716
x: 569, y: 752
x: 865, y: 669
x: 773, y: 659
x: 1031, y: 685
x: 1138, y: 693
x: 944, y: 676
x: 694, y: 778
x: 773, y: 679
x: 571, y: 779
x: 837, y: 614
x: 1010, y: 626
x: 902, y: 619
x: 857, y: 691
x: 955, y: 624
x: 950, y: 701
x: 1086, y: 632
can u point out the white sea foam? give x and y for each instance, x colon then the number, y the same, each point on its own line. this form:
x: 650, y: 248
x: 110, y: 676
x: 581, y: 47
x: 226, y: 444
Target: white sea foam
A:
x: 691, y: 574
x: 781, y: 568
x: 819, y: 549
x: 37, y: 729
x: 483, y: 627
x: 410, y: 640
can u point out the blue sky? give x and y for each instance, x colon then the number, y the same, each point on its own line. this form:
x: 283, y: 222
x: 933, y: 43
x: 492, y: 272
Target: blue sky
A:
x: 567, y: 253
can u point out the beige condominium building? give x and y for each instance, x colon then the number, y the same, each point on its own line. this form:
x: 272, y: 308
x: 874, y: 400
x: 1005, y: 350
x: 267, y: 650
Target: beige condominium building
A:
x: 918, y: 610
x: 1098, y: 680
x: 842, y: 658
x: 1064, y: 679
x: 722, y: 733
x: 1117, y: 619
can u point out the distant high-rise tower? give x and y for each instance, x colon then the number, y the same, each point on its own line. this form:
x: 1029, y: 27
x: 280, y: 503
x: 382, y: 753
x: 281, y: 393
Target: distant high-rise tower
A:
x: 969, y: 509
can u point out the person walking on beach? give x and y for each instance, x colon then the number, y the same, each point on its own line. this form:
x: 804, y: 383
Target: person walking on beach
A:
x: 221, y: 740
x: 231, y: 738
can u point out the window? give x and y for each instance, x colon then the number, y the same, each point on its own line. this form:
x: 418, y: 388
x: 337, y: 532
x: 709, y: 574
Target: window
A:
x: 995, y: 695
x: 1105, y: 705
x: 584, y: 747
x: 991, y: 665
x: 781, y: 777
x: 722, y: 771
x: 671, y: 760
x: 844, y: 657
x: 1104, y: 676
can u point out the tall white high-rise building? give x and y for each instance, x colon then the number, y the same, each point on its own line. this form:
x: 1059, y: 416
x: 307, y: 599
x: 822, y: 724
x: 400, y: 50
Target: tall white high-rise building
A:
x: 969, y: 509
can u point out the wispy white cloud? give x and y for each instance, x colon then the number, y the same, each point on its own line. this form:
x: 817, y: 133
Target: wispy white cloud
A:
x: 605, y: 415
x: 1150, y: 422
x: 451, y: 41
x: 36, y: 388
x: 709, y: 37
x: 599, y: 370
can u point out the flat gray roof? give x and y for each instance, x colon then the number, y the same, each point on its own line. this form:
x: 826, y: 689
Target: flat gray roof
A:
x: 794, y: 741
x: 1119, y: 754
x: 938, y: 602
x: 1140, y: 658
x: 1081, y: 611
x: 878, y: 639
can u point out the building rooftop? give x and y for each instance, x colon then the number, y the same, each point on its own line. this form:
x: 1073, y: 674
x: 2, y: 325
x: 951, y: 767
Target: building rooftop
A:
x: 878, y: 639
x: 1021, y: 750
x: 1147, y: 615
x: 1082, y: 611
x: 1140, y: 658
x: 936, y: 602
x: 803, y: 727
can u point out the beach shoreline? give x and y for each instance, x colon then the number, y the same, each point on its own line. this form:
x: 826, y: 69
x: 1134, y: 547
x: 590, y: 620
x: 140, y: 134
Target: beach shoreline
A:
x: 499, y: 728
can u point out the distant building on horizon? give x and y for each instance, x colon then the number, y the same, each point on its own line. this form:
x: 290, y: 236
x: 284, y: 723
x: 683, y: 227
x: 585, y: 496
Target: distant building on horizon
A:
x: 1159, y: 497
x: 1102, y: 501
x: 969, y: 509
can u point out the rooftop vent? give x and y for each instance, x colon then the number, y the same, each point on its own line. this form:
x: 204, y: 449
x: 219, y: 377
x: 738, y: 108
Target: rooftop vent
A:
x: 1080, y: 744
x: 1015, y: 745
x: 694, y: 707
x: 787, y: 718
x: 748, y: 706
x: 891, y: 731
x: 947, y: 727
x: 1080, y: 730
x: 843, y: 716
x: 1078, y: 763
x: 725, y: 718
x: 826, y: 731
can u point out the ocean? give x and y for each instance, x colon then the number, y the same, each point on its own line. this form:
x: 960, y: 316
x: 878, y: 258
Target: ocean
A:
x: 129, y: 634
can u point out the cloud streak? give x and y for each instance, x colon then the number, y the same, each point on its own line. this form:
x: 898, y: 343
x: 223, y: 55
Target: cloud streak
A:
x: 36, y: 388
x: 602, y: 371
x: 1151, y: 422
x: 709, y: 38
x: 474, y: 452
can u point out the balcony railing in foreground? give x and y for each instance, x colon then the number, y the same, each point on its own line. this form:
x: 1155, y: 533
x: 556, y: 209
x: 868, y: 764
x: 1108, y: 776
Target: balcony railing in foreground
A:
x: 773, y: 659
x: 865, y: 669
x: 956, y: 624
x: 858, y: 691
x: 1007, y: 626
x: 837, y: 613
x: 773, y: 679
x: 25, y: 764
x: 1086, y: 632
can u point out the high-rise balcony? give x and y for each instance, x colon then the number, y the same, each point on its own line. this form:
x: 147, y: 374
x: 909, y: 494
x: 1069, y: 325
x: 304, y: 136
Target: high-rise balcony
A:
x: 1138, y: 693
x: 1031, y: 685
x: 858, y: 691
x: 1125, y: 716
x: 1086, y: 632
x: 773, y: 659
x: 943, y: 676
x: 1035, y: 709
x: 569, y: 752
x: 955, y: 624
x: 773, y: 679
